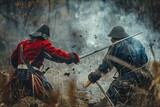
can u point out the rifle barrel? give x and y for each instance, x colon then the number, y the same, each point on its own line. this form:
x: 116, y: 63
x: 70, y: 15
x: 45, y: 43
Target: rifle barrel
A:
x: 90, y: 53
x: 105, y: 94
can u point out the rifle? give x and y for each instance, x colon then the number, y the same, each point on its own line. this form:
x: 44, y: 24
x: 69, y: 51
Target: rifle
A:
x: 87, y: 83
x: 90, y: 53
x: 106, y: 96
x: 30, y: 68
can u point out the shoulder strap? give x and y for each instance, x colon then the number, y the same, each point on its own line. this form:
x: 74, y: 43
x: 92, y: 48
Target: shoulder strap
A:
x: 31, y: 69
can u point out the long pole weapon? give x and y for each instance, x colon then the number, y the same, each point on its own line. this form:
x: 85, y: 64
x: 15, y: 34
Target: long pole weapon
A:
x: 90, y: 53
x: 106, y: 96
x: 87, y: 83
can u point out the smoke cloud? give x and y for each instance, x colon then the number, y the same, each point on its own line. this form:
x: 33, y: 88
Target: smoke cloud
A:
x: 83, y: 27
x: 89, y: 24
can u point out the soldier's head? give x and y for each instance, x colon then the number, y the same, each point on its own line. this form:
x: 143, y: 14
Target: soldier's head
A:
x: 117, y: 33
x: 42, y: 31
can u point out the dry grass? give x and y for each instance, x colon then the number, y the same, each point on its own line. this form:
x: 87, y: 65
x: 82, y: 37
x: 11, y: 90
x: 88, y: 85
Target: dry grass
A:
x: 155, y: 87
x: 72, y: 93
x: 155, y: 68
x: 2, y: 80
x: 53, y: 98
x: 74, y: 98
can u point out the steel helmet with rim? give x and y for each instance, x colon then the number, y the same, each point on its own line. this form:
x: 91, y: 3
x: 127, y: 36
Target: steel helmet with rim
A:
x: 42, y: 31
x: 118, y: 32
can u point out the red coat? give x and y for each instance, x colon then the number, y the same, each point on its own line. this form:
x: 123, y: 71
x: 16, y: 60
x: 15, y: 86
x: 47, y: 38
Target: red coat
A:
x: 36, y: 51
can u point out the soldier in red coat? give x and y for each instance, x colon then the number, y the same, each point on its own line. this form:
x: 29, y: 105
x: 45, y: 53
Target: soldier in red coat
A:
x: 34, y: 51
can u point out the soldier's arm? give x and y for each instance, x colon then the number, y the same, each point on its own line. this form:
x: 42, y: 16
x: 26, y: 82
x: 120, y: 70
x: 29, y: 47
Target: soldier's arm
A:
x: 103, y: 68
x: 59, y: 55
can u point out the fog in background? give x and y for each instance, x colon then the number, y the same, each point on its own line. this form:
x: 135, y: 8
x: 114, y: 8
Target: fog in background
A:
x: 80, y: 27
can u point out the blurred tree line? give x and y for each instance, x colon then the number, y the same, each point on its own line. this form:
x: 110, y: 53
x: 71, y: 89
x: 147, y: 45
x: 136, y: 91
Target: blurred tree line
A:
x: 148, y: 10
x: 16, y: 16
x: 22, y: 13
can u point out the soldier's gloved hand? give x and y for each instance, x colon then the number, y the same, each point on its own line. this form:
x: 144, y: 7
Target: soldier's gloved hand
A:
x: 93, y: 77
x: 75, y: 57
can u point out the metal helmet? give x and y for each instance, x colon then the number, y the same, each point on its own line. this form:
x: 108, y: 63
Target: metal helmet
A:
x: 118, y: 32
x: 42, y: 31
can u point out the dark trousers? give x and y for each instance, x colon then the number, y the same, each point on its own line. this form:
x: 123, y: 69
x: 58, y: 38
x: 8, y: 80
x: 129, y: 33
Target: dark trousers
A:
x: 22, y: 84
x: 123, y: 87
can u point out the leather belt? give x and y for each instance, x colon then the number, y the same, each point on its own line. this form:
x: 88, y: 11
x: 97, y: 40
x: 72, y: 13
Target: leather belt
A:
x: 23, y: 66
